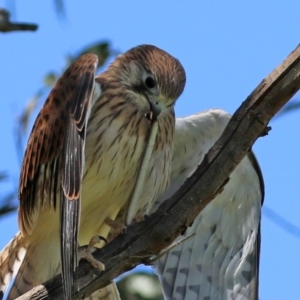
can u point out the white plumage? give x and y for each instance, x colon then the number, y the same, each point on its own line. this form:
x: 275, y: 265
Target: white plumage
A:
x: 221, y: 261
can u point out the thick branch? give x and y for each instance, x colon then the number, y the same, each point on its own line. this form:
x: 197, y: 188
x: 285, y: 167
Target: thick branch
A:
x: 147, y: 238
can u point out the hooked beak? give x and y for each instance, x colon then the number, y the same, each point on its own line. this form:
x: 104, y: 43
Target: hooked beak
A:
x: 155, y: 109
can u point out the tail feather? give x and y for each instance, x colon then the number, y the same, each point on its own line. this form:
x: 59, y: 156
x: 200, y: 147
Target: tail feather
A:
x: 23, y: 282
x: 41, y: 263
x: 11, y: 258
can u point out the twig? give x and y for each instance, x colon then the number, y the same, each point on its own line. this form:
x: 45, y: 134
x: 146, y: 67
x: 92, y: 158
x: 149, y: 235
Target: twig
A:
x: 6, y: 25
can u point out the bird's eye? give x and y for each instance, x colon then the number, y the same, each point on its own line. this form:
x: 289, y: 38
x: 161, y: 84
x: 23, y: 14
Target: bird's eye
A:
x: 150, y: 82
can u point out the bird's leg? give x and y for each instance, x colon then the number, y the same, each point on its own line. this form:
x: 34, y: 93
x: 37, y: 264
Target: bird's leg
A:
x: 85, y: 252
x: 119, y: 227
x: 116, y: 228
x: 140, y: 217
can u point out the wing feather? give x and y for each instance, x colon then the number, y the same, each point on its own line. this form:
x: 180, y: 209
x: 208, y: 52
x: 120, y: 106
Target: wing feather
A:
x: 54, y: 158
x: 41, y: 159
x: 72, y: 169
x: 221, y: 260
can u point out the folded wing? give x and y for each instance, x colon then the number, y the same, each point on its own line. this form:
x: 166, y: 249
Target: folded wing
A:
x: 54, y: 158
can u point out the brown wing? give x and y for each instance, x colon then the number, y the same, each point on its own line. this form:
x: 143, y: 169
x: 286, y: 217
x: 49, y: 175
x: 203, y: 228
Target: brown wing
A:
x: 65, y: 107
x: 54, y: 158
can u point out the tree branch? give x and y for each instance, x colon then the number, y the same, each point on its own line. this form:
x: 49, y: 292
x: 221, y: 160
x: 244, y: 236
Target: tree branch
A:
x: 147, y: 238
x: 6, y: 25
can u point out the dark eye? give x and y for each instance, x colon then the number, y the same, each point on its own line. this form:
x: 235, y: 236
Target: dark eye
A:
x: 150, y: 82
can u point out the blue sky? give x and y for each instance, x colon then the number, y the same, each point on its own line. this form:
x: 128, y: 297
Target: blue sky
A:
x: 226, y: 47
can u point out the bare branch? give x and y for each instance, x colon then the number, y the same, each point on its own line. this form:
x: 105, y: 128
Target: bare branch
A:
x: 147, y: 238
x: 6, y: 25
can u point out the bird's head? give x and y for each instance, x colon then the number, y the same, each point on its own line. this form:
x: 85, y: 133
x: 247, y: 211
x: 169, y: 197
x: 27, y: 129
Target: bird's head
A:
x: 151, y: 75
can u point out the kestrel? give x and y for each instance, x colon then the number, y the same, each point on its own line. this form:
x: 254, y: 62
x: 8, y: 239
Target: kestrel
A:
x: 89, y: 142
x: 221, y: 262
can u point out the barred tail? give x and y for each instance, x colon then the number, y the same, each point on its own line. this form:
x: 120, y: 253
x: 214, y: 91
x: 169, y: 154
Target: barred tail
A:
x: 11, y: 258
x: 41, y: 263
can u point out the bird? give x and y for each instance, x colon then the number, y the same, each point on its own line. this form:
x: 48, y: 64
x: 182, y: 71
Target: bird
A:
x: 83, y: 160
x: 219, y: 260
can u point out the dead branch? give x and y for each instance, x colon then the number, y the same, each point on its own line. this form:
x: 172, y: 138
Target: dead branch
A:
x: 147, y: 238
x: 6, y: 25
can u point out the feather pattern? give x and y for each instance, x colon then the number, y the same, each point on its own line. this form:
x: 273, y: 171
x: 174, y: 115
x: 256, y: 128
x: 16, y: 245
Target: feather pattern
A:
x: 97, y: 159
x: 11, y: 258
x: 57, y: 142
x: 221, y: 260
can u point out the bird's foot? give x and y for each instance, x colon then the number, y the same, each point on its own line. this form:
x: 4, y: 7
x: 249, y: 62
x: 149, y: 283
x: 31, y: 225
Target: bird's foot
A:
x: 139, y: 218
x: 86, y: 252
x: 116, y: 228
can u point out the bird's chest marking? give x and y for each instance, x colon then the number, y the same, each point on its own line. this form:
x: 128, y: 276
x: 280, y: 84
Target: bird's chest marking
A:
x: 113, y: 162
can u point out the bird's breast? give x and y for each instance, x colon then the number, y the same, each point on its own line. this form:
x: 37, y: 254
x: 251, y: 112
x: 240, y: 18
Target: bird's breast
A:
x: 115, y: 144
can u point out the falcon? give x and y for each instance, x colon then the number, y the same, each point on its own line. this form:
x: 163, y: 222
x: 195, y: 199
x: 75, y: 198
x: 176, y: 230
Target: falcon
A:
x: 87, y: 151
x: 220, y: 261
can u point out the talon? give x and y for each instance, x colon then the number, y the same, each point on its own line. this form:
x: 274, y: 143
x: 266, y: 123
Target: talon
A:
x: 116, y: 228
x: 114, y: 225
x: 96, y: 240
x: 85, y: 252
x: 140, y: 217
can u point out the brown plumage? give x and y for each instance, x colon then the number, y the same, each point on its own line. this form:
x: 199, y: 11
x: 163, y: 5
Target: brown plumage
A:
x: 94, y: 130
